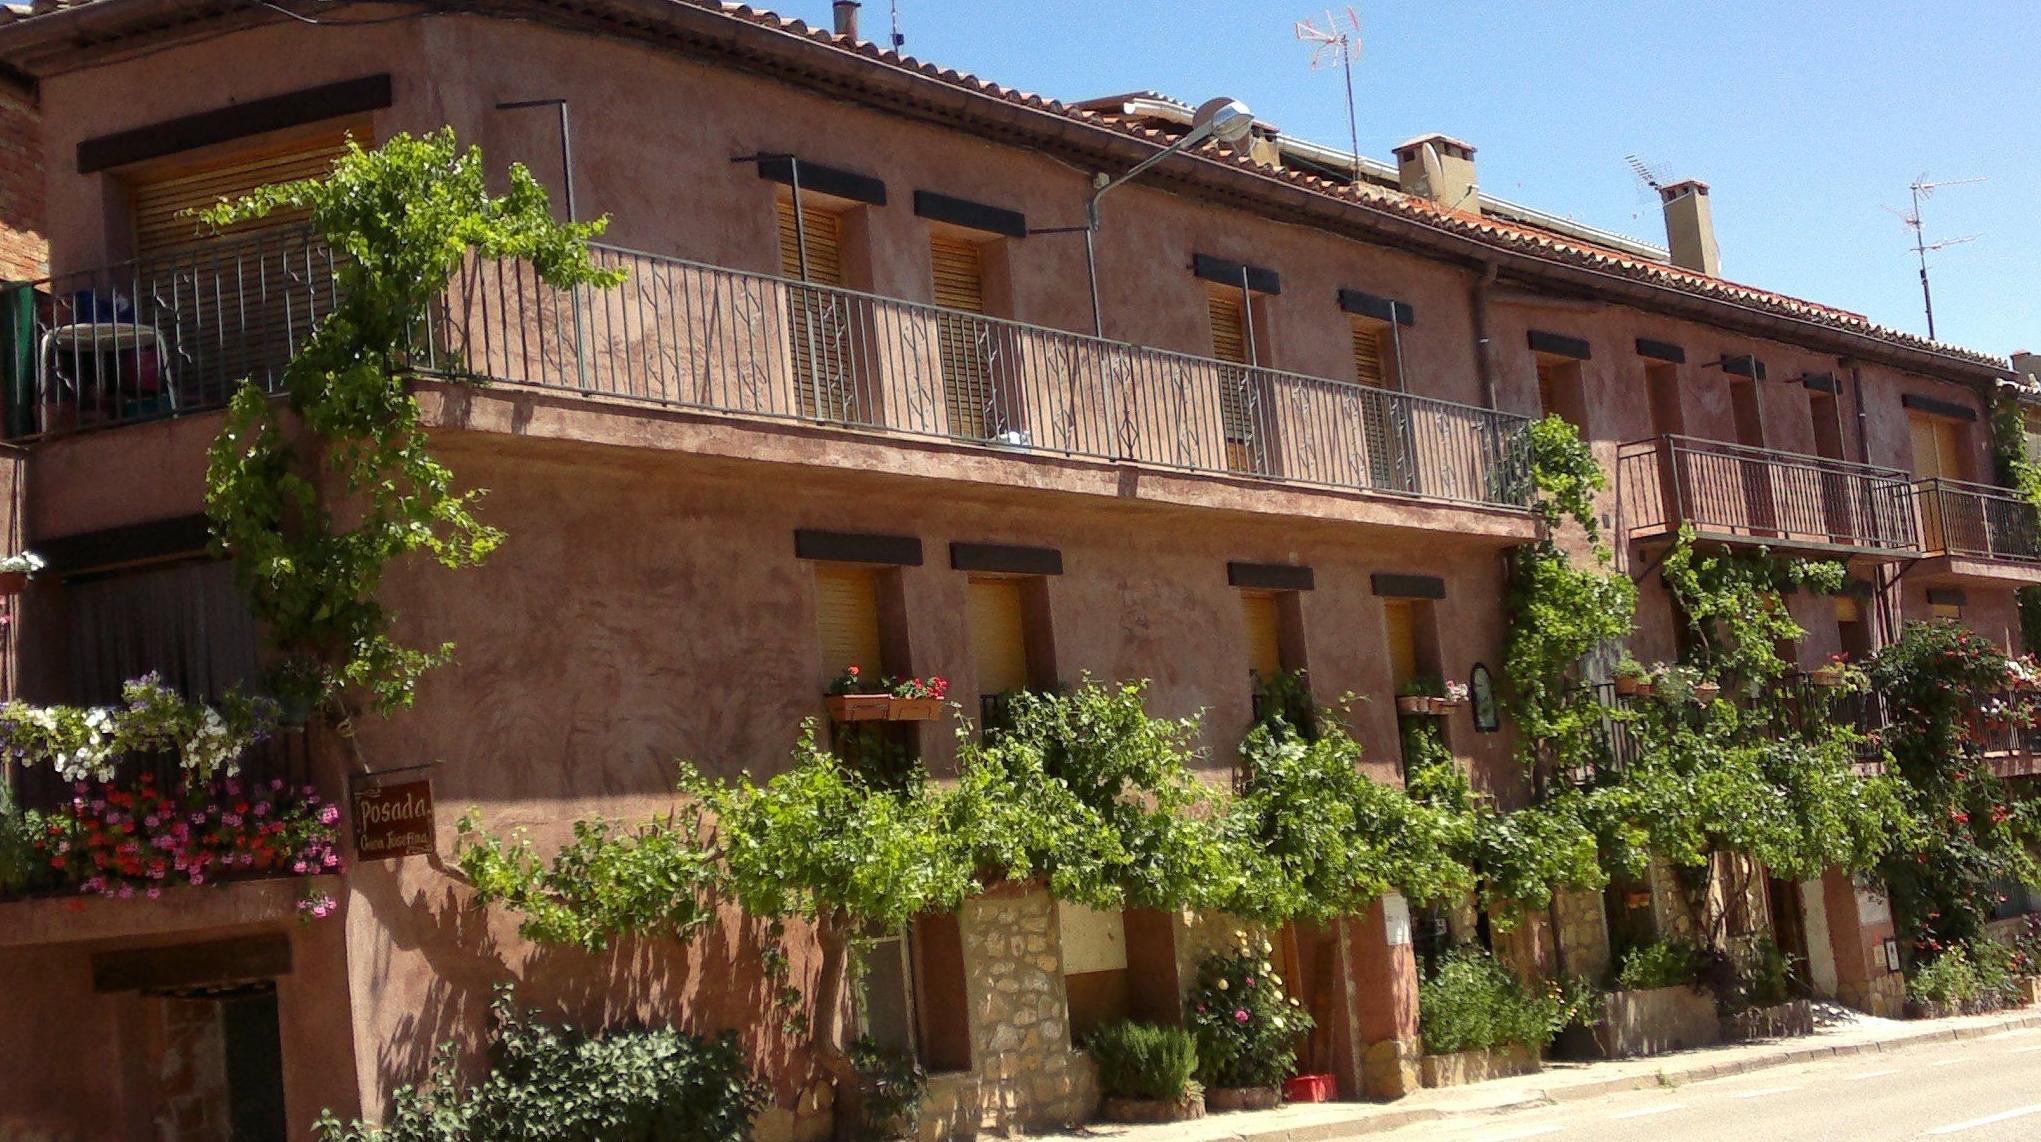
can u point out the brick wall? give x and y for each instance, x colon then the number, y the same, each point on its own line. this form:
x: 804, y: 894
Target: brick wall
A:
x: 24, y: 250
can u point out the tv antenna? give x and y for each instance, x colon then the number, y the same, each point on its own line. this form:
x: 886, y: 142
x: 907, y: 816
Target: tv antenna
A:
x: 899, y: 41
x: 1922, y: 190
x: 1651, y: 176
x: 1334, y: 43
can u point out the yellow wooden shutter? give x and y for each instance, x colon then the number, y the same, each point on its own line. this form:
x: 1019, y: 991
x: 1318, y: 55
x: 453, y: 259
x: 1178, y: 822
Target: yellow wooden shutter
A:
x: 1264, y: 648
x: 959, y: 270
x: 998, y: 639
x: 1229, y: 343
x: 1847, y: 610
x: 162, y: 198
x: 818, y: 326
x: 1927, y: 452
x: 1400, y: 631
x: 1368, y: 355
x: 847, y: 617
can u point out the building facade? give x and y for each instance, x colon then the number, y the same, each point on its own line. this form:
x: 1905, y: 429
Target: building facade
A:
x: 851, y: 406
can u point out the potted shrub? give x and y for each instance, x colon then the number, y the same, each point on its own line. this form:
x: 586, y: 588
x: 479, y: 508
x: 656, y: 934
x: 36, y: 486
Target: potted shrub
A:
x: 1632, y: 680
x: 855, y: 698
x: 1246, y: 1027
x: 1479, y: 1021
x: 1829, y: 673
x: 15, y: 571
x: 917, y: 699
x: 1145, y: 1072
x: 1424, y: 694
x: 1456, y: 695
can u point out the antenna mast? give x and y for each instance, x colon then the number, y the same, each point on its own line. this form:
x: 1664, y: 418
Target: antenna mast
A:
x: 1922, y: 190
x: 1343, y: 44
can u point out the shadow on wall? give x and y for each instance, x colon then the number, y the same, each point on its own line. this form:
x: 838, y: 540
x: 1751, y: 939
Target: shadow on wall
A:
x: 439, y: 959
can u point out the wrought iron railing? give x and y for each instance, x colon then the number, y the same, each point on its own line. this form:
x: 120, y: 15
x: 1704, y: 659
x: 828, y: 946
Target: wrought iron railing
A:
x: 1807, y: 704
x: 1977, y: 521
x: 1732, y: 492
x: 161, y: 338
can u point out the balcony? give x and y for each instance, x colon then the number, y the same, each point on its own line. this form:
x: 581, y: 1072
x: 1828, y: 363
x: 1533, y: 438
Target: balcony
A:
x: 152, y: 340
x: 1977, y: 533
x: 1730, y: 493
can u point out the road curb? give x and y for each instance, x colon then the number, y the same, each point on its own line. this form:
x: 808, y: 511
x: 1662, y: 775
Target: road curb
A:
x: 1396, y: 1118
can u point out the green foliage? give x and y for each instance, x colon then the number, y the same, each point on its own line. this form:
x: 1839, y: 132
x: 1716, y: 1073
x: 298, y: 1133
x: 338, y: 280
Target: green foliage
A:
x: 87, y: 742
x: 1566, y: 475
x: 1285, y: 697
x: 1667, y: 963
x: 1091, y: 792
x: 1969, y: 831
x: 1471, y: 1002
x: 894, y: 1087
x: 1319, y: 839
x: 1142, y: 1060
x: 400, y: 218
x: 560, y: 1084
x: 1734, y: 602
x: 1246, y: 1027
x: 1764, y: 976
x: 816, y: 841
x: 656, y: 880
x: 1972, y: 974
x: 21, y: 862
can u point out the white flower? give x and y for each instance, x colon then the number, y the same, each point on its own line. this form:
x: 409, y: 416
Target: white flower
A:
x: 27, y: 561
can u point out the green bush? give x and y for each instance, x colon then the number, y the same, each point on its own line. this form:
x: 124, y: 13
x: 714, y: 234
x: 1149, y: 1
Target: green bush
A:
x: 1246, y: 1027
x: 894, y: 1086
x: 1142, y: 1060
x: 1764, y: 975
x: 1667, y: 963
x: 652, y: 1084
x: 1472, y: 1002
x: 1975, y: 973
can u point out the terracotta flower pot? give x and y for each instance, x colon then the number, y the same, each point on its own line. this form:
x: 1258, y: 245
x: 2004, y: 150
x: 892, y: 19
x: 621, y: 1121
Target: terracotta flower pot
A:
x: 915, y: 709
x: 1413, y: 704
x: 1632, y: 686
x: 860, y: 707
x: 1827, y: 676
x: 1707, y: 691
x: 1437, y: 706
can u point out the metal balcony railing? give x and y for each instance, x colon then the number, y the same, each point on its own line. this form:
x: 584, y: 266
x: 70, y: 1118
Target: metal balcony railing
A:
x: 1734, y: 493
x: 1976, y: 521
x: 150, y: 340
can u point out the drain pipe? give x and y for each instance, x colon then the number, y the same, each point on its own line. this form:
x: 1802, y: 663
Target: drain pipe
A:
x: 1484, y: 354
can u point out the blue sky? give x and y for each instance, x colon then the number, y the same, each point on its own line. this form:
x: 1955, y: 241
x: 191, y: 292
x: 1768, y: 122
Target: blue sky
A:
x: 1806, y: 119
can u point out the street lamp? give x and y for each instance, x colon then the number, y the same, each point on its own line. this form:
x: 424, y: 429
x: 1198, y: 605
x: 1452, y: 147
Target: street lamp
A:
x: 1227, y: 120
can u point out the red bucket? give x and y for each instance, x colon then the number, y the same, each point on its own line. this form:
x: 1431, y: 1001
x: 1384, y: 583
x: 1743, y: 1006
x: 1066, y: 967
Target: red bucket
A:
x: 1310, y: 1088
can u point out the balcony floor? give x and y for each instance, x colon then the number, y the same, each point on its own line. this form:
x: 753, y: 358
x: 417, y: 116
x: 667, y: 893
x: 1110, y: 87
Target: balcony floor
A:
x: 1977, y: 570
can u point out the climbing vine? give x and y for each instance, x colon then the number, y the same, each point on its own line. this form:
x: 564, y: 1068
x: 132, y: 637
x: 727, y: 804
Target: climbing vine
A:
x: 399, y: 220
x: 2018, y: 471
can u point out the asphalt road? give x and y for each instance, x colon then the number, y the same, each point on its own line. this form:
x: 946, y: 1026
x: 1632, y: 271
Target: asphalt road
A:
x: 1976, y: 1090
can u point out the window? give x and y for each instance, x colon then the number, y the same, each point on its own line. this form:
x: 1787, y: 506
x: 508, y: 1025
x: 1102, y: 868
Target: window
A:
x: 1237, y: 393
x: 1385, y: 437
x: 912, y: 994
x: 1945, y: 610
x: 1399, y: 629
x: 1662, y: 383
x: 887, y: 1007
x: 967, y: 347
x: 1938, y: 454
x: 818, y: 321
x: 1746, y: 415
x: 997, y: 613
x: 847, y: 618
x: 1561, y: 391
x: 1852, y: 632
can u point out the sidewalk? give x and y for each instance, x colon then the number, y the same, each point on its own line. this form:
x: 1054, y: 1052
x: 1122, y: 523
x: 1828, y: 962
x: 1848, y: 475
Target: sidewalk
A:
x: 1564, y: 1082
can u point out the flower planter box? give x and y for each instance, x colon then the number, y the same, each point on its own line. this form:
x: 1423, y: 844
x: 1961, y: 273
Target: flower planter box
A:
x: 1219, y: 1098
x: 1633, y: 687
x: 1825, y: 677
x: 1310, y: 1088
x: 1118, y: 1108
x: 1413, y: 704
x: 915, y: 709
x: 860, y: 707
x: 1478, y: 1066
x: 1785, y: 1020
x: 1635, y: 1023
x: 13, y: 582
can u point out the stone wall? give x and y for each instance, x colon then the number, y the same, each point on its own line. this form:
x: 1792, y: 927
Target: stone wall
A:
x: 1025, y: 1074
x: 1884, y: 997
x: 1583, y: 933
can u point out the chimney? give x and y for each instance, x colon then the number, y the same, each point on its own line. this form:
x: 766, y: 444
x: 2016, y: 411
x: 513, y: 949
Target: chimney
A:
x: 847, y: 19
x: 2027, y: 366
x: 1690, y: 227
x: 1441, y: 169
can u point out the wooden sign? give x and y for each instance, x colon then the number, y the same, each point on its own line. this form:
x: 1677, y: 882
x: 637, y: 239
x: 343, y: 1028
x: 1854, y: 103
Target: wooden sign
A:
x: 393, y: 819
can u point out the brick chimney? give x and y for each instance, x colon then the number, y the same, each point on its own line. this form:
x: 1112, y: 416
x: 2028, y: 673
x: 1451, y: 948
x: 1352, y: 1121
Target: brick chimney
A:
x: 847, y: 18
x: 2027, y: 366
x: 1690, y: 227
x: 1440, y: 168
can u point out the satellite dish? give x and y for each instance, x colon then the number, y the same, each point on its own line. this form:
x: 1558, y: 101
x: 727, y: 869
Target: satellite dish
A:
x: 1434, y: 171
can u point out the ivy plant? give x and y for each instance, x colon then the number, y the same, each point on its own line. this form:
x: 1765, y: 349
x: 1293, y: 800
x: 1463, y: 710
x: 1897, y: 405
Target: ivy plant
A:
x: 314, y: 509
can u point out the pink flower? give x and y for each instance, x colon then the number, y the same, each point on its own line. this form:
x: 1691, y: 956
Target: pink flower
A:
x: 1240, y: 1015
x: 329, y: 815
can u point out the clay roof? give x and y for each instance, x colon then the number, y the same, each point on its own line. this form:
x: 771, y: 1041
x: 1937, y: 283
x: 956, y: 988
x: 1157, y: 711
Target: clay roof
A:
x: 1502, y: 234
